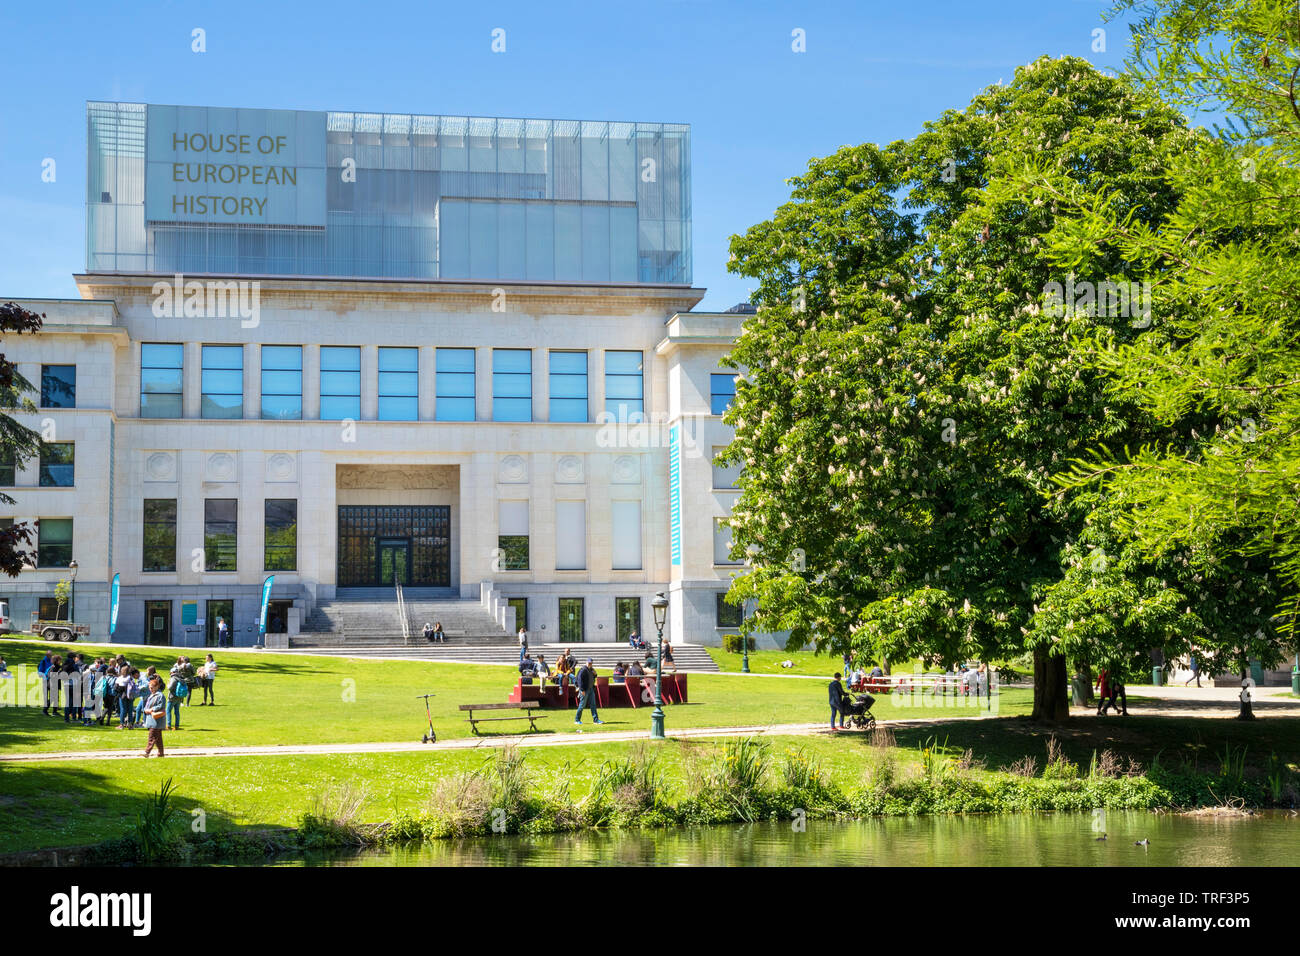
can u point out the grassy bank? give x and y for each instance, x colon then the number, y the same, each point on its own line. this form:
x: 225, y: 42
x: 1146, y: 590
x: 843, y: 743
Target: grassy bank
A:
x: 960, y: 767
x: 265, y: 698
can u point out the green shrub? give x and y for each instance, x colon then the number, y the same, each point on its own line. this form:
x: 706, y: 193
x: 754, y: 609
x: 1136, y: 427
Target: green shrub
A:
x: 732, y: 645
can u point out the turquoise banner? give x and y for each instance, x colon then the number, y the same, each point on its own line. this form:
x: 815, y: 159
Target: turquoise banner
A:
x: 113, y: 603
x: 266, y: 599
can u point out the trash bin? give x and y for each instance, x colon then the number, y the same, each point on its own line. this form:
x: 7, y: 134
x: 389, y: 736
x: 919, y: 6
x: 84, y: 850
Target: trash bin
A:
x: 1078, y: 691
x: 1157, y: 676
x: 1257, y: 673
x: 1295, y: 682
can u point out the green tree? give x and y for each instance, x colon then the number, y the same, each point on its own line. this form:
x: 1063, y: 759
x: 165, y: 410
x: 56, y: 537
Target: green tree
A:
x: 62, y: 595
x: 1225, y: 343
x: 18, y: 443
x: 907, y: 397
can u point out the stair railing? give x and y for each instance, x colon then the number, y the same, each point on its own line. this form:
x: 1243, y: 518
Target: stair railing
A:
x: 401, y: 613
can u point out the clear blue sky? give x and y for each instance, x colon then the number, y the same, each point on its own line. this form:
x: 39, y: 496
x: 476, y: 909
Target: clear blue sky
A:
x: 874, y: 70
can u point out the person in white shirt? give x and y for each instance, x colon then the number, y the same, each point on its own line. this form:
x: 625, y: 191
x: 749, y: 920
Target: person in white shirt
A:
x: 208, y: 673
x: 523, y: 644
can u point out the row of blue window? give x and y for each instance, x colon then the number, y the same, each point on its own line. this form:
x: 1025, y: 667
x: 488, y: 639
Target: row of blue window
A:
x: 162, y: 369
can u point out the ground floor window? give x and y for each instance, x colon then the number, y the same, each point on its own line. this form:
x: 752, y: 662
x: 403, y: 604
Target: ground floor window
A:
x: 277, y: 616
x: 571, y: 625
x: 728, y: 615
x: 48, y: 609
x: 521, y: 611
x: 628, y: 612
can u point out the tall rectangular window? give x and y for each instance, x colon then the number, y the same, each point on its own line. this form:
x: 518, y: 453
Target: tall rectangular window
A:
x: 521, y: 611
x: 625, y: 386
x: 512, y: 535
x: 159, y: 535
x: 625, y: 535
x: 223, y: 381
x: 455, y: 385
x: 53, y: 542
x: 340, y: 382
x: 220, y: 534
x: 568, y: 386
x: 722, y: 542
x: 8, y: 467
x: 722, y: 389
x: 58, y: 464
x: 281, y: 535
x: 570, y: 535
x: 512, y: 385
x: 282, y: 382
x: 58, y: 386
x: 161, y: 368
x: 399, y: 384
x: 724, y: 476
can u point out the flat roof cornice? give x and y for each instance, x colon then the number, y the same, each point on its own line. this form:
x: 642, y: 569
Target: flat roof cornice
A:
x: 120, y: 285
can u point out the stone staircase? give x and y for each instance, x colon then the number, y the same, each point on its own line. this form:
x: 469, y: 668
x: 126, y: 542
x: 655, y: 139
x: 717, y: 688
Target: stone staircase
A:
x: 364, y: 622
x: 361, y: 618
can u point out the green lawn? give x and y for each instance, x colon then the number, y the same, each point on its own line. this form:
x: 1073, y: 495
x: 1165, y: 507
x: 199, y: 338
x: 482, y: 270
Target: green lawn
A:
x: 266, y: 698
x: 68, y: 803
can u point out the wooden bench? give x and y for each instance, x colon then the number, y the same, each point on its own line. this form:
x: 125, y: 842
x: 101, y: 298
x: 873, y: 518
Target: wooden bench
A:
x: 527, y: 706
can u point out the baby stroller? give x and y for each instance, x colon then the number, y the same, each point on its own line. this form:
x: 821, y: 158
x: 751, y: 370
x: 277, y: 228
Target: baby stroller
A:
x: 859, y: 712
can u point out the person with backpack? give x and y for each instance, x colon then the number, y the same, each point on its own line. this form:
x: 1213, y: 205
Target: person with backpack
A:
x: 154, y: 713
x: 177, y: 693
x: 587, y: 693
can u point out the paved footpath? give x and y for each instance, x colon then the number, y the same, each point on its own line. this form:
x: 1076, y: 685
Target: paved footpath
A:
x: 459, y: 743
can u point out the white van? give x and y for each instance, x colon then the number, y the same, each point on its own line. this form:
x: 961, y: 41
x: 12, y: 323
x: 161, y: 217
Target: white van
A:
x: 5, y: 626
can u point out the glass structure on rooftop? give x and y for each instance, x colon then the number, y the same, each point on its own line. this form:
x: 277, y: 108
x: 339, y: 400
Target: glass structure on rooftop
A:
x: 205, y: 190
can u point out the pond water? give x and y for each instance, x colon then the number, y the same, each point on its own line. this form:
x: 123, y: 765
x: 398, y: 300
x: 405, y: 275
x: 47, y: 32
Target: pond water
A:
x: 1049, y: 839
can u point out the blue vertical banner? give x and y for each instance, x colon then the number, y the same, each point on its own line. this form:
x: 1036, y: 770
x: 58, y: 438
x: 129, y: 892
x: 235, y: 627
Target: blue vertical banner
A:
x: 266, y: 599
x: 675, y: 493
x: 114, y: 594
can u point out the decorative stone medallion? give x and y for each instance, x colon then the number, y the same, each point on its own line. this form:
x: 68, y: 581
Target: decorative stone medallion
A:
x: 221, y: 467
x: 568, y: 470
x: 513, y: 469
x: 161, y: 466
x: 626, y: 470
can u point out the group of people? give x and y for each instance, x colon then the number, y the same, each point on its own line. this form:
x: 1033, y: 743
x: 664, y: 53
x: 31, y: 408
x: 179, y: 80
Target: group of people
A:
x: 434, y: 632
x: 1110, y: 687
x: 89, y: 693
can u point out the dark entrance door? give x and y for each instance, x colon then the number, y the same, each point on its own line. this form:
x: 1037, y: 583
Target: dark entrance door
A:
x: 395, y: 561
x: 158, y: 622
x: 378, y: 542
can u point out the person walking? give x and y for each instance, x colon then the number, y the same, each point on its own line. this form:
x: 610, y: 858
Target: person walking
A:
x: 1196, y: 672
x: 43, y: 671
x: 155, y: 711
x: 523, y: 643
x: 838, y: 705
x: 209, y: 677
x: 587, y: 693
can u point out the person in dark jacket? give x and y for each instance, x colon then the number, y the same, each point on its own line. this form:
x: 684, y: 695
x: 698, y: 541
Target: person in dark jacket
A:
x: 587, y: 693
x: 43, y: 669
x: 838, y: 704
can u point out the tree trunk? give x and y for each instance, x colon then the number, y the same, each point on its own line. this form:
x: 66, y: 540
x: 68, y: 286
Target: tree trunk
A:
x: 1051, y: 686
x: 884, y: 665
x: 1085, y: 671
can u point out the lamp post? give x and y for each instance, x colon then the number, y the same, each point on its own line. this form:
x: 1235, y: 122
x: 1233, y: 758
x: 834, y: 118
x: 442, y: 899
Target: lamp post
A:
x: 750, y: 603
x: 72, y: 590
x: 660, y: 605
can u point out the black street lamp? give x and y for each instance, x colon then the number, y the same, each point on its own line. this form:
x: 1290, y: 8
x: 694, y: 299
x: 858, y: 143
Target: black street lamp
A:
x: 660, y: 605
x: 72, y: 589
x: 750, y: 604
